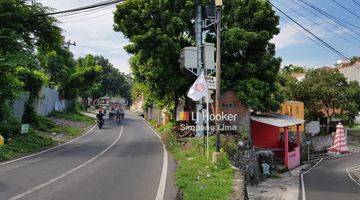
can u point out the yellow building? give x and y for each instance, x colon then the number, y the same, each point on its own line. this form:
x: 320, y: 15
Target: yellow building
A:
x: 293, y: 109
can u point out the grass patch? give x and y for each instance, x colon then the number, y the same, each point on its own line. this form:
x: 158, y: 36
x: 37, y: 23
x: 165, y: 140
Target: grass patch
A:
x: 23, y: 144
x: 74, y: 116
x: 70, y: 131
x: 34, y: 141
x: 197, y: 177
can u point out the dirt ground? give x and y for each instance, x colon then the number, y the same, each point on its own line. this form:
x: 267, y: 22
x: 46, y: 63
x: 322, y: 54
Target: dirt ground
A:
x: 67, y: 123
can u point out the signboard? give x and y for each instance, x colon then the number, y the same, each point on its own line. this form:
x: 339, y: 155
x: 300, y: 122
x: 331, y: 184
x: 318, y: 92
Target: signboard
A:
x: 211, y: 81
x: 313, y: 127
x: 25, y: 128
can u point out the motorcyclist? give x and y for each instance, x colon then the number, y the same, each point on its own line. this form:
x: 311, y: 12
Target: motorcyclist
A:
x: 117, y: 115
x: 100, y: 116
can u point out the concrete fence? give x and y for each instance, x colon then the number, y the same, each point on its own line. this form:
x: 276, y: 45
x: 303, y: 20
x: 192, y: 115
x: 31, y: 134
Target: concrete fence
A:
x: 48, y: 101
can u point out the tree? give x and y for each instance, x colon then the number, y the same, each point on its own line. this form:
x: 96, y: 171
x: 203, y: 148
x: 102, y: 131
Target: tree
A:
x: 158, y: 30
x: 248, y: 62
x: 326, y: 92
x: 58, y: 64
x: 24, y: 25
x: 23, y: 28
x: 113, y: 82
x: 84, y: 81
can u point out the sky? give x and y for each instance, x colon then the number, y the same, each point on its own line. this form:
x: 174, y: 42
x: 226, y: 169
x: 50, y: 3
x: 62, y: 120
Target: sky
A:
x: 93, y: 33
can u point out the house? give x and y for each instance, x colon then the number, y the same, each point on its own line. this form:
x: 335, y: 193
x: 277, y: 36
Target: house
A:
x: 298, y: 76
x: 271, y: 131
x: 350, y: 71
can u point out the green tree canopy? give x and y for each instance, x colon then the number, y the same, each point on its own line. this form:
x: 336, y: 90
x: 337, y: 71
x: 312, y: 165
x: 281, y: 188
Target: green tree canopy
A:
x: 327, y: 93
x: 248, y: 62
x: 158, y: 30
x: 113, y: 82
x: 23, y: 29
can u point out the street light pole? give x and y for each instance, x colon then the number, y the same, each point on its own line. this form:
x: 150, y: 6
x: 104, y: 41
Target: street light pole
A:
x: 218, y: 4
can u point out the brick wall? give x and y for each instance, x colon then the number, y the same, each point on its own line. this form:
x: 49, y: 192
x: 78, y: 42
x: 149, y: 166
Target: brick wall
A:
x: 230, y: 104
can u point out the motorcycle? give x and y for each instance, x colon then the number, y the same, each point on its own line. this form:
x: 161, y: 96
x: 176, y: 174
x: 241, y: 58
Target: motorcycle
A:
x: 100, y: 123
x: 118, y: 118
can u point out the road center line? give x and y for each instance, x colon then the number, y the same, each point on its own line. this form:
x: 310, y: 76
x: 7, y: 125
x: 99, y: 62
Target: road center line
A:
x: 46, y: 150
x: 68, y: 172
x: 303, y: 195
x: 162, y: 185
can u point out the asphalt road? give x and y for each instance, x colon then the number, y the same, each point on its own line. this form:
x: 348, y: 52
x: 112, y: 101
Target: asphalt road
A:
x: 117, y: 162
x: 330, y: 181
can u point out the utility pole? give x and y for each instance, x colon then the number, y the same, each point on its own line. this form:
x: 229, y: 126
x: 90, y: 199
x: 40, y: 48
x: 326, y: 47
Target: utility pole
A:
x: 68, y: 44
x: 218, y: 4
x: 198, y: 32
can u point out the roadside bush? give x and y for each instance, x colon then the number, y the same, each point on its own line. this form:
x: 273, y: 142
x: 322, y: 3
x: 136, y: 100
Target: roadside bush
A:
x: 25, y: 143
x: 229, y: 145
x: 44, y: 124
x: 30, y: 116
x: 9, y: 127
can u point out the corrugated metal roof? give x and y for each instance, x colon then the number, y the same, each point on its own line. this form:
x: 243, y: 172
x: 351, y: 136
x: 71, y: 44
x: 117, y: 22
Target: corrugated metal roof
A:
x: 278, y: 120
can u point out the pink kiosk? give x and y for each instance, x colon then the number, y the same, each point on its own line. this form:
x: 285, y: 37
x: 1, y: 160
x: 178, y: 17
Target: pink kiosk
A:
x: 271, y: 131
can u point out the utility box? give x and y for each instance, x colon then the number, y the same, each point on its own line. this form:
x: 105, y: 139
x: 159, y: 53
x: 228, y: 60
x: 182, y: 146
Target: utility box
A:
x: 293, y: 109
x: 188, y: 57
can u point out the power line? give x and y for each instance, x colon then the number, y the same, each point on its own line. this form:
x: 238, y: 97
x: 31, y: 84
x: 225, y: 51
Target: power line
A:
x: 78, y: 16
x: 104, y: 3
x: 356, y: 2
x: 312, y: 34
x: 327, y: 20
x: 319, y: 25
x: 342, y: 6
x: 337, y: 20
x: 310, y: 38
x: 78, y: 20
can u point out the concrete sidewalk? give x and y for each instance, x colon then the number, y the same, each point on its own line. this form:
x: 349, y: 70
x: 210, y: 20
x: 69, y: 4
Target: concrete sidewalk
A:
x: 286, y: 187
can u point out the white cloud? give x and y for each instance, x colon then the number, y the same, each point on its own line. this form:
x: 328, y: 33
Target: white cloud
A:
x: 93, y: 32
x: 292, y: 34
x: 289, y: 35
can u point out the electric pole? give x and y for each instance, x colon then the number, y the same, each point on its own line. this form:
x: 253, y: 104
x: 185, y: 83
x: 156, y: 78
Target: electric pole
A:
x: 68, y: 44
x: 218, y: 4
x: 198, y: 32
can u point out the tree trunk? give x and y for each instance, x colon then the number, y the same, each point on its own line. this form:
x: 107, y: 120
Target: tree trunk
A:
x: 176, y: 101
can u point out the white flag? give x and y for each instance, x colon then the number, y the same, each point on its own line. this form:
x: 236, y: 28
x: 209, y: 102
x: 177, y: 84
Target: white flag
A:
x: 199, y: 89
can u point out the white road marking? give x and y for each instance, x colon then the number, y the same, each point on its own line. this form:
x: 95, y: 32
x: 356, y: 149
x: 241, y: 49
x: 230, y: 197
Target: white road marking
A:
x: 66, y: 173
x: 351, y: 177
x: 46, y: 150
x: 161, y: 189
x: 302, y: 179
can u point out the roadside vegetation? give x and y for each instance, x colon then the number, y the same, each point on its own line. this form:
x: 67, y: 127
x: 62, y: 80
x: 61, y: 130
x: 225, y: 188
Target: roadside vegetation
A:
x: 196, y: 176
x: 33, y: 56
x: 45, y: 134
